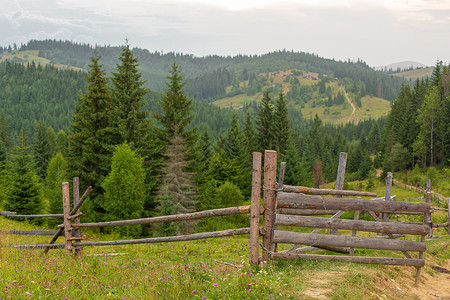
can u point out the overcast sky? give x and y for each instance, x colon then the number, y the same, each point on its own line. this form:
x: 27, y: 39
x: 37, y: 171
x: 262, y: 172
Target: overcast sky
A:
x: 379, y: 32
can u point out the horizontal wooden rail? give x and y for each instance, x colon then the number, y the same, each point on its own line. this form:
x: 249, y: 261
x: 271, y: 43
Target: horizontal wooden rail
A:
x: 306, y: 212
x: 322, y: 240
x: 180, y: 217
x: 353, y: 259
x: 440, y: 225
x: 29, y: 232
x: 313, y: 191
x: 360, y: 225
x: 15, y: 215
x: 302, y: 201
x: 189, y: 237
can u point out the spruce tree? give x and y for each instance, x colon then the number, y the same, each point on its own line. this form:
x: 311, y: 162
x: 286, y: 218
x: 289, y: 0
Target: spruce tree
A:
x: 41, y: 150
x: 130, y: 121
x: 125, y: 189
x: 264, y: 124
x: 281, y: 128
x: 90, y: 142
x: 178, y: 192
x: 24, y: 195
x: 176, y: 115
x: 62, y: 143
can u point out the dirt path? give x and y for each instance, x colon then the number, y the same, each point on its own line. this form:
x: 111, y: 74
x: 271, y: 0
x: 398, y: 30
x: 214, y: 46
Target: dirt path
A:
x: 352, y: 116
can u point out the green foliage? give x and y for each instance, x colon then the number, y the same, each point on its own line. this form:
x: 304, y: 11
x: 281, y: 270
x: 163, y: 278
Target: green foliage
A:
x: 56, y: 175
x: 229, y: 195
x: 90, y: 148
x: 24, y: 194
x: 41, y: 150
x: 264, y: 122
x: 124, y: 189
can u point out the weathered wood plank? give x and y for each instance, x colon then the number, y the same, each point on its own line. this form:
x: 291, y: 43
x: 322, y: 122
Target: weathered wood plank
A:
x: 360, y: 225
x: 388, y: 194
x: 228, y: 211
x: 34, y: 216
x: 72, y: 212
x: 320, y: 240
x: 302, y: 201
x: 353, y: 259
x: 29, y: 232
x: 313, y: 191
x: 67, y: 222
x: 269, y: 196
x: 254, y: 208
x: 305, y: 212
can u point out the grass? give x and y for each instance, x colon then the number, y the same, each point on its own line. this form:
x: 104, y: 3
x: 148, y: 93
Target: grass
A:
x: 415, y: 74
x: 204, y: 269
x: 29, y: 56
x: 372, y: 107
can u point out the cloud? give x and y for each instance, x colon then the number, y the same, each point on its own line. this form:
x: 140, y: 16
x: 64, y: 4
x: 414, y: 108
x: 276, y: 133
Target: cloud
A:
x: 379, y: 32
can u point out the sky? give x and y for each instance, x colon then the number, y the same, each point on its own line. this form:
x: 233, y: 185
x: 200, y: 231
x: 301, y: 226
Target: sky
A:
x: 379, y: 32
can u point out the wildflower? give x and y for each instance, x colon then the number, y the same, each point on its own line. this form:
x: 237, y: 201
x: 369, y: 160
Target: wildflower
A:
x: 193, y: 291
x: 215, y: 284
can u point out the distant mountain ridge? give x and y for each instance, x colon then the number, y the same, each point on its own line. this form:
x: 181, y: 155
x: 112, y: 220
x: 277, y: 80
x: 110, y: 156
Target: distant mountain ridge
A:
x: 403, y: 65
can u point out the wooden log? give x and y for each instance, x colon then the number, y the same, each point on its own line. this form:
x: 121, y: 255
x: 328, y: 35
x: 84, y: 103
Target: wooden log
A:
x: 254, y: 209
x: 352, y: 259
x: 340, y: 177
x: 29, y: 232
x: 354, y: 231
x: 269, y: 196
x: 77, y: 235
x: 319, y: 240
x: 426, y: 216
x: 313, y: 191
x: 440, y: 225
x: 368, y: 226
x: 36, y: 216
x: 7, y: 213
x: 388, y: 194
x: 274, y: 246
x: 67, y: 223
x: 302, y: 201
x: 218, y: 212
x: 305, y: 212
x: 75, y: 216
x: 181, y: 238
x: 74, y: 210
x: 439, y: 208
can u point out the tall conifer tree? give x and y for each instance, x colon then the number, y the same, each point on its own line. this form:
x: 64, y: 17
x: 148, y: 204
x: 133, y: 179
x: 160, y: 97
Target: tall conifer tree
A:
x: 264, y: 123
x: 90, y: 142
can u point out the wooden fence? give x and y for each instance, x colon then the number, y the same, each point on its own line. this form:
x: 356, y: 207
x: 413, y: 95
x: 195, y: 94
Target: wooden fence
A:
x: 283, y: 205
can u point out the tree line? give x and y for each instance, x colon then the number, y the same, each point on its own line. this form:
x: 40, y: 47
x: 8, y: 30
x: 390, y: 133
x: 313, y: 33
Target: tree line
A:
x: 146, y: 163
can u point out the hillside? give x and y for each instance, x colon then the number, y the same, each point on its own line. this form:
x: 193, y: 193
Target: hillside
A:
x: 209, y: 75
x: 303, y: 93
x: 415, y: 74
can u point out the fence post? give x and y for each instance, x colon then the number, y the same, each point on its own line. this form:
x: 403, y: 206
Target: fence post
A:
x: 67, y: 223
x: 280, y: 185
x: 269, y: 196
x: 387, y: 197
x: 428, y: 216
x: 76, y: 198
x: 254, y: 209
x: 426, y: 219
x: 340, y: 177
x: 448, y: 216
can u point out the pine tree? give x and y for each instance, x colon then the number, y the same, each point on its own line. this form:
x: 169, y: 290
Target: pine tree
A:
x: 62, y: 143
x: 56, y: 175
x: 90, y: 142
x: 264, y: 124
x: 130, y: 122
x: 429, y: 121
x: 41, y: 150
x: 281, y: 127
x: 176, y: 112
x: 124, y: 189
x: 178, y: 191
x: 24, y: 195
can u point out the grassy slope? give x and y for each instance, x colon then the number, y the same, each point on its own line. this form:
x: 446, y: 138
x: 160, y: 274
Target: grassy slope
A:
x: 208, y: 269
x: 372, y: 107
x: 416, y: 74
x: 29, y: 56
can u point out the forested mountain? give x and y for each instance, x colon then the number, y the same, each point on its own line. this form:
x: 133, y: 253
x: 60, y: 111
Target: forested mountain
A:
x: 207, y: 76
x: 184, y: 154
